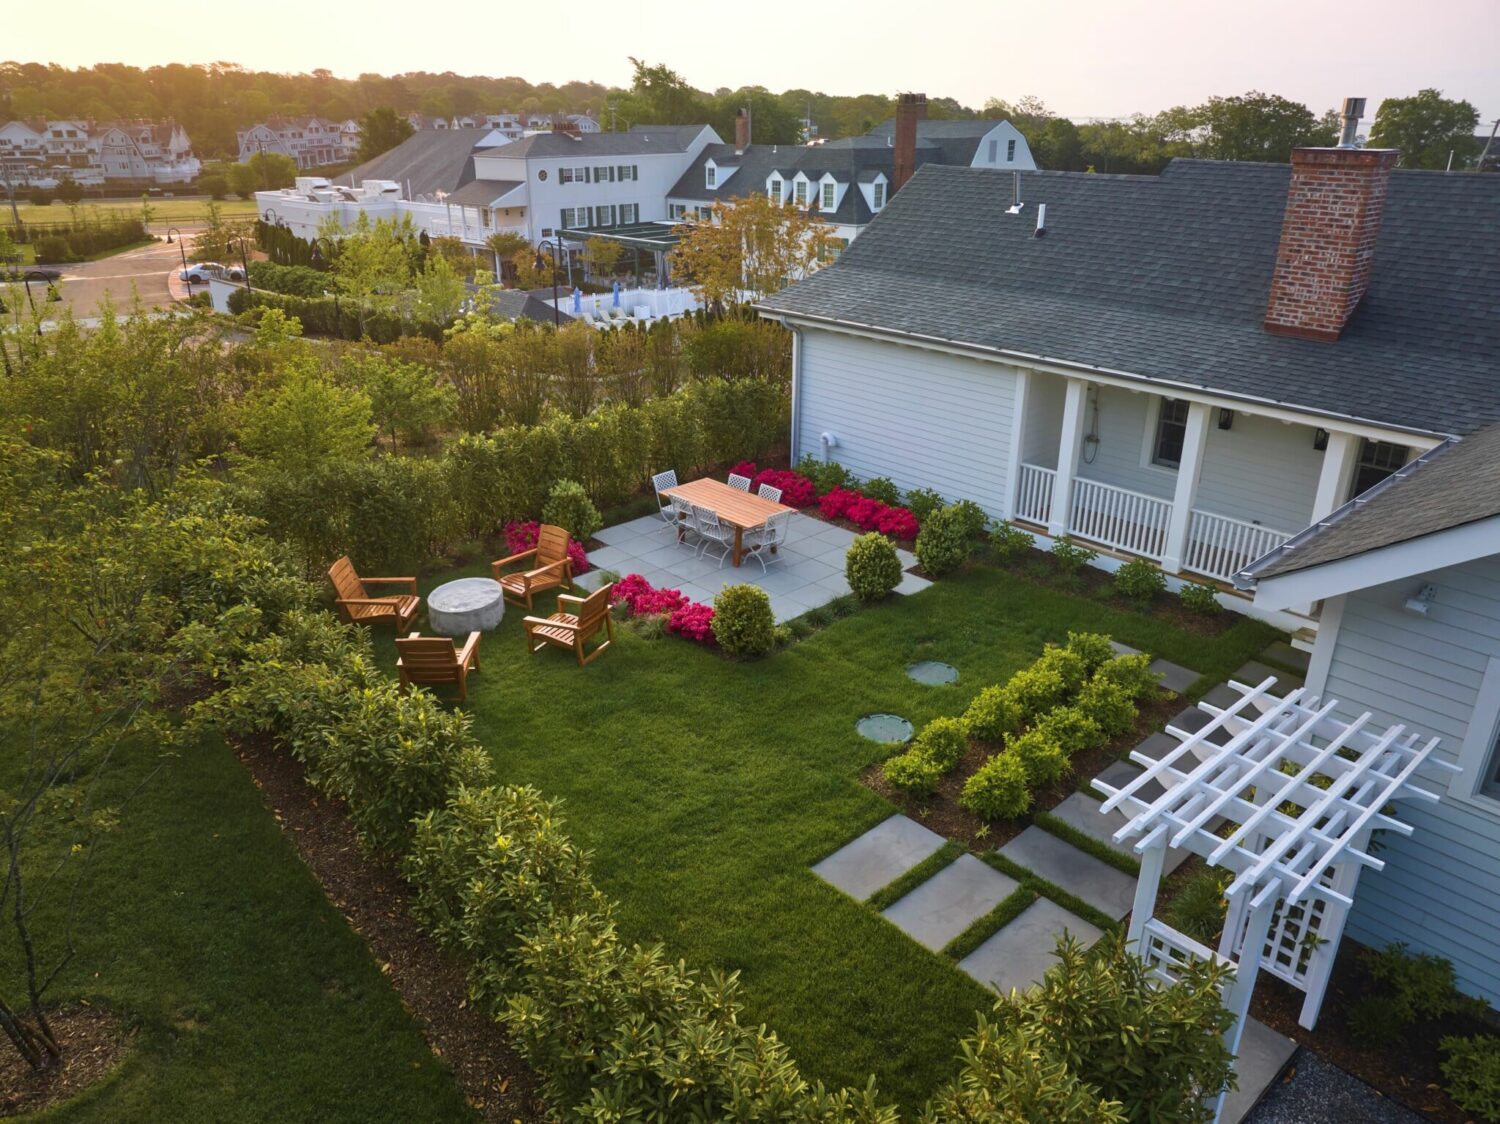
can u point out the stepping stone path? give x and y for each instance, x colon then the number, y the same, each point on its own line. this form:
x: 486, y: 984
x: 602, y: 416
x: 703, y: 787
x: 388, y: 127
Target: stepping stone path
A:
x: 878, y: 857
x: 1284, y: 655
x: 1019, y: 955
x: 1174, y: 677
x: 1083, y: 813
x: 1255, y: 672
x: 950, y: 901
x: 1092, y: 880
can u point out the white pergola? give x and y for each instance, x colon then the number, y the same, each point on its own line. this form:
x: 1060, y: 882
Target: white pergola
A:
x: 1284, y: 796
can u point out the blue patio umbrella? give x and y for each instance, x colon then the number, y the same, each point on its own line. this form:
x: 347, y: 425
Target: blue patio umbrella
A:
x: 617, y: 294
x: 577, y: 300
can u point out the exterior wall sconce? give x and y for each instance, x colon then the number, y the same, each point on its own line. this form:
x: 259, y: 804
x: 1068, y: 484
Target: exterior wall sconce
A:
x: 1419, y: 604
x: 1226, y: 417
x: 1320, y: 440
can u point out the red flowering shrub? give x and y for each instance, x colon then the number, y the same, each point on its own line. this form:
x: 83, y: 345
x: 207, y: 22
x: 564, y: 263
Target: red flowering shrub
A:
x: 796, y: 490
x: 898, y: 522
x: 744, y: 468
x: 835, y: 505
x: 522, y: 536
x: 693, y: 620
x: 869, y: 514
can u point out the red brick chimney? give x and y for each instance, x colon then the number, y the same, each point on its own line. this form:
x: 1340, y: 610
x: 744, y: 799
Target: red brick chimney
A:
x: 910, y: 108
x: 741, y: 131
x: 1327, y: 249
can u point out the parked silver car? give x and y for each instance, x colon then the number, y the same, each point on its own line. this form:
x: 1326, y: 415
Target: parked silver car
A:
x: 199, y: 272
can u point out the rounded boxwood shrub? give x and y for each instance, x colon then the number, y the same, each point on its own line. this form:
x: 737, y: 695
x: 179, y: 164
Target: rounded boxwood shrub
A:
x: 1091, y: 647
x: 1138, y: 580
x: 1202, y: 599
x: 991, y: 715
x: 743, y: 623
x: 871, y: 567
x: 569, y: 507
x: 1036, y: 689
x: 1069, y: 665
x: 1070, y: 557
x: 971, y: 517
x: 913, y: 772
x: 943, y: 544
x: 1070, y: 728
x: 998, y: 791
x: 1109, y: 705
x: 882, y: 488
x: 1131, y: 672
x: 922, y: 502
x: 1043, y: 760
x: 944, y: 741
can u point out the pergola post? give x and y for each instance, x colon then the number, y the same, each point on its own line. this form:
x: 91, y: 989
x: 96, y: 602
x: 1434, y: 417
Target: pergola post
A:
x: 1153, y: 852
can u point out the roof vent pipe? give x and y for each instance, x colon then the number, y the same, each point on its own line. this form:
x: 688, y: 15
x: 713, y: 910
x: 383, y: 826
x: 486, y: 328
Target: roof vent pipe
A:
x: 1041, y: 221
x: 1015, y: 194
x: 1354, y: 109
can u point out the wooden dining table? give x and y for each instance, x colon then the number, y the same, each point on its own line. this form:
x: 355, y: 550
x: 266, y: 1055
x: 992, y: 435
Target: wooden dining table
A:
x: 741, y: 510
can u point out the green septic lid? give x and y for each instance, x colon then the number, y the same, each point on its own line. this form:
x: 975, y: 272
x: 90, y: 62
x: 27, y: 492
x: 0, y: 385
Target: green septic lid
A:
x: 889, y: 729
x: 932, y: 672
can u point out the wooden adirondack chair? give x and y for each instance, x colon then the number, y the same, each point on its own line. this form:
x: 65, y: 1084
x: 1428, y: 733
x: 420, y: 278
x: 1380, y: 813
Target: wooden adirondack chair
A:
x: 358, y: 607
x: 549, y: 567
x: 437, y: 659
x: 573, y: 630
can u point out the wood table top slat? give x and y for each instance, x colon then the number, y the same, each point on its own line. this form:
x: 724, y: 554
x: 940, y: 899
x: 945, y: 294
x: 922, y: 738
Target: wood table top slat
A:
x: 732, y: 506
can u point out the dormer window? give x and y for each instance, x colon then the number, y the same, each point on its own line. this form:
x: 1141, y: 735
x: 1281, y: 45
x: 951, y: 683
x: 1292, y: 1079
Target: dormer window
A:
x: 774, y: 190
x: 799, y: 192
x: 710, y: 176
x: 877, y: 195
x: 1010, y: 151
x: 829, y: 190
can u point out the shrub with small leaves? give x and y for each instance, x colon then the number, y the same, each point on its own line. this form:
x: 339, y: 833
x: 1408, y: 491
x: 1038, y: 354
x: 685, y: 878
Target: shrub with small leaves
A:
x: 991, y: 715
x: 1010, y: 543
x: 1070, y: 557
x: 1201, y: 599
x: 871, y: 567
x: 1043, y: 759
x: 1093, y: 648
x: 1132, y: 672
x: 1036, y: 689
x: 882, y: 488
x: 998, y: 790
x: 826, y: 475
x: 922, y: 502
x: 971, y: 517
x: 1108, y: 705
x: 1200, y: 907
x: 1070, y: 667
x: 743, y: 623
x: 944, y: 741
x: 1071, y: 728
x: 569, y: 507
x: 913, y: 772
x: 944, y: 542
x: 1472, y: 1067
x: 1139, y: 580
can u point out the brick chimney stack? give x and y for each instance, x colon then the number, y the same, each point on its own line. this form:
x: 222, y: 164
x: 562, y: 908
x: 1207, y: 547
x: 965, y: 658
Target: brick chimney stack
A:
x: 910, y: 109
x: 1328, y: 232
x: 741, y: 131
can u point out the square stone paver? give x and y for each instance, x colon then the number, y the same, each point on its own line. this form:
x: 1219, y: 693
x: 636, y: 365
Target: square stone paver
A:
x: 878, y: 857
x: 1285, y: 655
x: 950, y: 901
x: 1083, y: 814
x: 1019, y: 955
x: 1123, y: 649
x: 1108, y: 890
x: 1224, y: 696
x: 1263, y: 1055
x: 1117, y: 774
x: 1174, y: 677
x: 1255, y: 671
x: 1191, y: 720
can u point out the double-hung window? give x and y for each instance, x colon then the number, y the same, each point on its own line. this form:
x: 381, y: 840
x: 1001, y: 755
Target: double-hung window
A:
x: 676, y: 211
x: 604, y: 215
x: 877, y: 195
x: 775, y: 192
x: 994, y: 150
x: 826, y: 203
x: 1377, y: 460
x: 574, y: 217
x: 1010, y: 151
x: 627, y: 173
x: 1171, y: 431
x: 710, y: 176
x: 629, y: 213
x: 799, y: 192
x: 605, y: 174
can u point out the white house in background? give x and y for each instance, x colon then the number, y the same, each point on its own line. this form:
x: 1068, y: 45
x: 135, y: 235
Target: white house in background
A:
x: 1188, y: 368
x: 471, y: 183
x: 95, y: 153
x: 845, y: 182
x: 146, y: 151
x: 1409, y: 579
x: 313, y: 142
x: 23, y: 152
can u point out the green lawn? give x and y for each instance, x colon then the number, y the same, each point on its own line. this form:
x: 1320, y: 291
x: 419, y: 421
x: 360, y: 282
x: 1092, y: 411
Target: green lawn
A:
x: 253, y: 999
x: 706, y: 789
x: 163, y: 211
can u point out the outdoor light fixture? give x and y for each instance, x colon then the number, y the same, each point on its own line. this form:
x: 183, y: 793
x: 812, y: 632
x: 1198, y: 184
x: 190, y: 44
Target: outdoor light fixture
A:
x: 1226, y: 418
x: 1419, y: 604
x: 1320, y: 439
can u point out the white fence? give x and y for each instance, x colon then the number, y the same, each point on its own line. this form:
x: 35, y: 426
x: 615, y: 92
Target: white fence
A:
x: 1219, y: 547
x: 1034, y: 493
x: 1120, y: 518
x: 635, y: 304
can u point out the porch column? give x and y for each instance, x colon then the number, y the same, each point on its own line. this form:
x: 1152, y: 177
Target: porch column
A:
x: 1189, y: 469
x: 1075, y: 405
x: 1017, y: 436
x: 1336, y: 475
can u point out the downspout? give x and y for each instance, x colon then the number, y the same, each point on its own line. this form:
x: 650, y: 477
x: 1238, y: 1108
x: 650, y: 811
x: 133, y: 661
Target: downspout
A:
x: 796, y: 391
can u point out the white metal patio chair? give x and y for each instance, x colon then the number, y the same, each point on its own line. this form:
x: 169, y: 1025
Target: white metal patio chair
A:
x: 685, y: 522
x: 740, y: 482
x: 713, y: 533
x: 766, y: 492
x: 660, y: 483
x: 759, y: 543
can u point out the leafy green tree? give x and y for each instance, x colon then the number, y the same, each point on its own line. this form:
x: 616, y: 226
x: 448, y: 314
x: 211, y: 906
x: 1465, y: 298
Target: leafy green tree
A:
x: 751, y: 249
x: 659, y: 96
x: 1259, y: 126
x: 381, y: 130
x: 306, y: 423
x: 1427, y: 128
x: 406, y: 402
x: 216, y: 187
x: 503, y: 246
x: 440, y: 291
x: 265, y: 171
x: 69, y: 192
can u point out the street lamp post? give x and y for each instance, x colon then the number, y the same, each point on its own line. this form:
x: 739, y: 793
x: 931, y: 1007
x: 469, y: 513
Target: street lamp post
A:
x: 52, y: 293
x: 553, y: 245
x: 181, y: 249
x: 244, y: 260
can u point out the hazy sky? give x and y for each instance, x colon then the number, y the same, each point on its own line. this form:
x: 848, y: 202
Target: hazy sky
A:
x: 1083, y: 57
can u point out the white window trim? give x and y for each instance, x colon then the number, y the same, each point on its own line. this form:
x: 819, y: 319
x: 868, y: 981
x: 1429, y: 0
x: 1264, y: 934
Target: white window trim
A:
x: 710, y: 174
x: 1474, y: 756
x: 1148, y: 439
x: 825, y: 187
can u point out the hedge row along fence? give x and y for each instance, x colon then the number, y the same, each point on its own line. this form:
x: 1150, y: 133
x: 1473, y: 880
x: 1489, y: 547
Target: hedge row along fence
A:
x: 66, y: 242
x: 329, y: 316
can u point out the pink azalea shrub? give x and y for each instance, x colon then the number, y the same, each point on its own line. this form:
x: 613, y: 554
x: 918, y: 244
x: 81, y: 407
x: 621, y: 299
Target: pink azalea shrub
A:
x: 692, y: 620
x: 522, y: 536
x: 744, y: 468
x: 868, y: 514
x: 796, y: 490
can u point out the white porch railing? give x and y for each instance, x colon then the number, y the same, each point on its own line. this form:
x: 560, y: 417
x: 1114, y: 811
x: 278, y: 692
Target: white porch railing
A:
x: 1034, y: 493
x: 1120, y: 518
x: 1220, y: 547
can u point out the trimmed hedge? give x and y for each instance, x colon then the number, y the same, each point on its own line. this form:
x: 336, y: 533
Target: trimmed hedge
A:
x: 66, y: 242
x: 328, y: 316
x: 295, y: 280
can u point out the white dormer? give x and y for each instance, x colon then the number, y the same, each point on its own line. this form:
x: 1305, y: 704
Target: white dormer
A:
x: 714, y: 174
x: 1004, y: 147
x: 776, y: 188
x: 802, y: 190
x: 877, y: 192
x: 830, y: 193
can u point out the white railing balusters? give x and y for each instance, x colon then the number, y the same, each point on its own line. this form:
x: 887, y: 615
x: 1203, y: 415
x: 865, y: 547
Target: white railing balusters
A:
x: 1034, y: 493
x: 1219, y: 547
x: 1120, y: 518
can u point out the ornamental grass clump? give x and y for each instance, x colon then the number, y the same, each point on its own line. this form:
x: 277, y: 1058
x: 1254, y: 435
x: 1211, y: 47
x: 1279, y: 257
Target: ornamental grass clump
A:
x: 871, y: 567
x: 743, y: 623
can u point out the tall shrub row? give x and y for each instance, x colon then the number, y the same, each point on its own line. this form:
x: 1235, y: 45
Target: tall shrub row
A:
x: 296, y: 280
x: 328, y: 316
x: 76, y: 241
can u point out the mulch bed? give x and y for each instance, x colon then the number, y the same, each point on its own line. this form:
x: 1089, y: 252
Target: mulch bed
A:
x: 94, y: 1042
x: 1406, y: 1070
x: 374, y: 900
x: 942, y: 813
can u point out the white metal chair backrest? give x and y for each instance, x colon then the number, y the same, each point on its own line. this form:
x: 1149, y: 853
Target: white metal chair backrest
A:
x: 777, y: 527
x: 740, y: 482
x: 664, y: 480
x: 707, y: 522
x: 769, y: 493
x: 683, y: 515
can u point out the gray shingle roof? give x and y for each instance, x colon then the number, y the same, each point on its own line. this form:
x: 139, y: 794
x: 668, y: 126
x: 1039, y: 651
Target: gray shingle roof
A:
x: 1166, y: 277
x: 430, y: 160
x: 641, y: 140
x: 481, y: 193
x: 1456, y: 484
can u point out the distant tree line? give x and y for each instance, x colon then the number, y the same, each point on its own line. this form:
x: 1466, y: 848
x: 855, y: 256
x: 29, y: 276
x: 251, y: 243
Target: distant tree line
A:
x: 212, y: 101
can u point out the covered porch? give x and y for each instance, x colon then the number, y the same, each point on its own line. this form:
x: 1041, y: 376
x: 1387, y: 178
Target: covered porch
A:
x: 1200, y: 489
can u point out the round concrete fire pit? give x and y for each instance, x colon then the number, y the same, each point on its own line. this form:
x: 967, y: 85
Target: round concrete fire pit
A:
x: 464, y: 606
